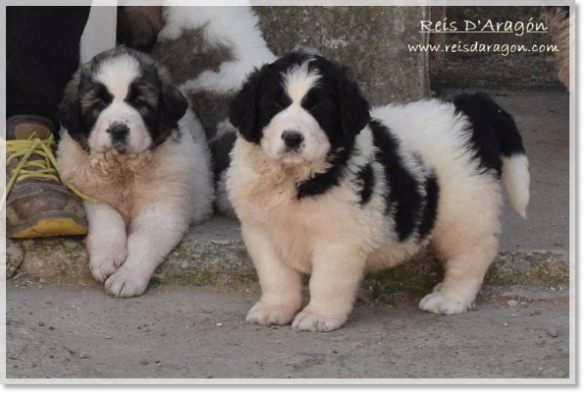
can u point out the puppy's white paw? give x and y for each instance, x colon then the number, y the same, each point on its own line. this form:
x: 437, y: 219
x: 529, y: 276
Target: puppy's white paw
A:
x: 436, y: 302
x: 126, y: 284
x: 105, y: 263
x: 314, y: 322
x: 264, y: 314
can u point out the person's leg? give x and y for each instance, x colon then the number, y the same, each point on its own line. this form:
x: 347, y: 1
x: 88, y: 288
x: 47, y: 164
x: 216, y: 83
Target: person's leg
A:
x: 42, y: 54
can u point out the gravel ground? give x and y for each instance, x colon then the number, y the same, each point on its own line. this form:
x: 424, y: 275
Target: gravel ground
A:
x: 180, y: 332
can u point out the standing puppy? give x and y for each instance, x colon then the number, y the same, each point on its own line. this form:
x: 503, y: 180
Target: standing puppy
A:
x: 323, y: 186
x: 131, y: 146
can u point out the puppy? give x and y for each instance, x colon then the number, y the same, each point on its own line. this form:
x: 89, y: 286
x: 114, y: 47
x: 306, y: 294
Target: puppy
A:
x: 324, y: 186
x: 209, y: 52
x: 130, y: 145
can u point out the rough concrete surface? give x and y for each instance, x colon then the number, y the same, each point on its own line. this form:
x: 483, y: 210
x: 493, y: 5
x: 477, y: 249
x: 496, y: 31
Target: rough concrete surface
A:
x: 207, y: 257
x: 174, y: 332
x: 365, y: 38
x: 462, y: 69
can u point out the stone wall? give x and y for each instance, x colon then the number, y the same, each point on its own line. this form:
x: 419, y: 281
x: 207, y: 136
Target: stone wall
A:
x: 491, y: 69
x: 370, y: 41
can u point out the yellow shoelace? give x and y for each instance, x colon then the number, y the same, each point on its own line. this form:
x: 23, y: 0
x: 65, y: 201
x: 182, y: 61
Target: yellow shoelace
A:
x: 46, y: 168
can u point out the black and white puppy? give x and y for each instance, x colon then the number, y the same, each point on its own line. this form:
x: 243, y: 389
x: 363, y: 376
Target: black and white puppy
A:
x: 133, y: 146
x: 325, y: 186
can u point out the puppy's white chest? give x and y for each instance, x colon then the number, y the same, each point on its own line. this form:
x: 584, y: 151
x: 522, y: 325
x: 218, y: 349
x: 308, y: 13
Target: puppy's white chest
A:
x: 276, y: 210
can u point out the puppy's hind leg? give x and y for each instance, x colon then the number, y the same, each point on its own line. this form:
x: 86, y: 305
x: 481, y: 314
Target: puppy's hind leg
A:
x: 463, y: 279
x: 469, y: 246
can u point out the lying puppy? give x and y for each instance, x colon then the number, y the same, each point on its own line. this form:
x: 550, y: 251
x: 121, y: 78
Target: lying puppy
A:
x: 323, y: 186
x: 131, y: 146
x: 209, y: 52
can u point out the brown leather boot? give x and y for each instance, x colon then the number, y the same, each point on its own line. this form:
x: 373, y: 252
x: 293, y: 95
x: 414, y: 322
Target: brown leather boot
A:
x: 37, y: 203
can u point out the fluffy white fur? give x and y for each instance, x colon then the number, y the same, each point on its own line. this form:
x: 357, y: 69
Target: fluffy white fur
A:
x: 516, y: 181
x: 234, y: 27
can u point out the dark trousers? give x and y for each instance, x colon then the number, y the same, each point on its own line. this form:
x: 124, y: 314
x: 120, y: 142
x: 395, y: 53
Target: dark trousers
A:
x: 42, y: 53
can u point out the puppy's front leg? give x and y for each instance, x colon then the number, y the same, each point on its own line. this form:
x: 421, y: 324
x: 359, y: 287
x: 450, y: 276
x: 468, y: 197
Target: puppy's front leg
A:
x: 153, y: 234
x: 281, y: 285
x: 106, y: 241
x: 337, y: 271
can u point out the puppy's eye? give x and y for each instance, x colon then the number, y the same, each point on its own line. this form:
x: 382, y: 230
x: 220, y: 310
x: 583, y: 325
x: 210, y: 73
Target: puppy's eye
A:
x: 142, y: 105
x: 138, y: 102
x: 312, y: 103
x: 315, y: 106
x: 276, y: 107
x: 99, y: 105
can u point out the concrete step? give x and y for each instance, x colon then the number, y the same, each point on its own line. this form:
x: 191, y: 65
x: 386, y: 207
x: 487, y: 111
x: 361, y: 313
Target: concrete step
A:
x: 213, y: 253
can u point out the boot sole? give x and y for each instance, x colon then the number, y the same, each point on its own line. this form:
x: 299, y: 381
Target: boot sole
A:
x: 49, y: 227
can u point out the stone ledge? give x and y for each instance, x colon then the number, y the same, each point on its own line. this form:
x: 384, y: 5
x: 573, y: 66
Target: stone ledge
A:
x: 213, y: 253
x: 372, y: 41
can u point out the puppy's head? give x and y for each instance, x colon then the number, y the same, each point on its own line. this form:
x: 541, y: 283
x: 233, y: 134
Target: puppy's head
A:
x: 300, y: 109
x: 121, y: 101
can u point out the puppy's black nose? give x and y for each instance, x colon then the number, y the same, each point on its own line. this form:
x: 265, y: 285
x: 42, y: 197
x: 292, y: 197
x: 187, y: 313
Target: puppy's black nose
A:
x: 292, y: 139
x: 118, y: 131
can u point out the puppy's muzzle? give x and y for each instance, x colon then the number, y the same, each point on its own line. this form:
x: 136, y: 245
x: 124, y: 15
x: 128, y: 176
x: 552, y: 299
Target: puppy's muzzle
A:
x: 119, y: 134
x: 292, y: 140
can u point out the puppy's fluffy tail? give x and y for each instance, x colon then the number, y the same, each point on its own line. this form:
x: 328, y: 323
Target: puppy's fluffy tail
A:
x: 516, y: 180
x: 496, y: 135
x: 515, y: 175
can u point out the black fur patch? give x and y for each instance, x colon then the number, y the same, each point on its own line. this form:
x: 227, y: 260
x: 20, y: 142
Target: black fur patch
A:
x: 493, y: 132
x: 96, y: 99
x: 323, y: 182
x: 429, y: 212
x: 261, y: 98
x: 403, y: 196
x: 365, y: 180
x: 221, y: 146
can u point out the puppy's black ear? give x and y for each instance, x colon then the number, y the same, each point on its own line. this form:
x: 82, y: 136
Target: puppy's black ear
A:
x: 243, y: 109
x: 174, y: 104
x: 354, y: 109
x: 69, y: 110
